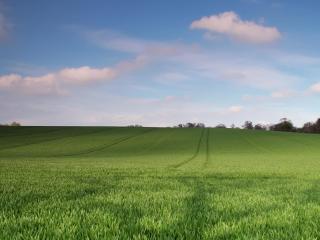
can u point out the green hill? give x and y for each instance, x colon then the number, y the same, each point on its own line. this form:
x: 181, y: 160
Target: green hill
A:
x: 158, y: 183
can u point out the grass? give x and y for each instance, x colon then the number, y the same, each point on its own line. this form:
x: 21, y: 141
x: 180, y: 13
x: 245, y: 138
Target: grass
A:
x: 152, y: 183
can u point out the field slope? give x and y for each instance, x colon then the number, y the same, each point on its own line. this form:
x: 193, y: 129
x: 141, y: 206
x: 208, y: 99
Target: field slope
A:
x: 158, y: 183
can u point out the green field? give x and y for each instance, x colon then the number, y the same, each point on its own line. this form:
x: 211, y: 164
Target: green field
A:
x: 158, y: 183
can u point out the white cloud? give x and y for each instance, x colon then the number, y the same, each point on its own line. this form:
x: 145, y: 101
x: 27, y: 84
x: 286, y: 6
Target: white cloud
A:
x: 315, y: 88
x: 230, y: 24
x: 235, y: 109
x: 58, y: 82
x: 41, y: 85
x: 8, y: 81
x: 86, y: 74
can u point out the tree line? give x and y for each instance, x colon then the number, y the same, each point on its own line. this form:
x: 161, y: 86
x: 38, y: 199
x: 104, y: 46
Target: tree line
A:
x: 13, y: 124
x: 284, y: 125
x: 191, y: 125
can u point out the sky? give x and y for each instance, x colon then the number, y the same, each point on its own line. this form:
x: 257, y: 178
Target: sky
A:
x: 159, y: 63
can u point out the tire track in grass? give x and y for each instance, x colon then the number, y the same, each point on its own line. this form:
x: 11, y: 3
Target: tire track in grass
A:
x: 103, y: 147
x: 194, y: 155
x: 197, y: 211
x: 207, y: 149
x: 50, y: 140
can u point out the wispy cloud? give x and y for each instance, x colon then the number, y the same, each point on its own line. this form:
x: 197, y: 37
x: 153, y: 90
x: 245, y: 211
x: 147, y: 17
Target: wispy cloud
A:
x: 4, y: 26
x: 237, y: 70
x: 113, y: 40
x: 230, y: 24
x: 200, y: 64
x: 119, y: 42
x: 172, y: 77
x: 281, y: 94
x: 198, y: 60
x: 252, y: 1
x: 145, y: 52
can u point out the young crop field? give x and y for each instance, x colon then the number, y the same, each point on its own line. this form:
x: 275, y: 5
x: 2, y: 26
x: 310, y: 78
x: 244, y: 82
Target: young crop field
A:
x: 158, y: 183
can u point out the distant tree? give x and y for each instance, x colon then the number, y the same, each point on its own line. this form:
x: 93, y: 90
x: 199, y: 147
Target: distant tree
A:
x: 15, y: 124
x: 316, y: 127
x: 260, y: 127
x: 135, y: 126
x: 221, y: 126
x: 248, y: 125
x: 284, y: 125
x: 233, y: 126
x: 190, y: 125
x: 200, y: 125
x: 308, y: 127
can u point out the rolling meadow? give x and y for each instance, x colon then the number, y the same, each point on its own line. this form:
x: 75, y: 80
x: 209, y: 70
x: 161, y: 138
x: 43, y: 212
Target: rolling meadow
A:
x: 158, y: 183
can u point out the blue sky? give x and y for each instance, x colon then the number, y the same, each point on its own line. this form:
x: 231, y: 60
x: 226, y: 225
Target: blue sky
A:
x: 158, y: 63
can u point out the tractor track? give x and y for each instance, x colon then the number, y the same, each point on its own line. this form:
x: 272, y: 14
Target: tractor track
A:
x: 194, y: 155
x: 48, y: 140
x: 104, y: 146
x: 207, y: 149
